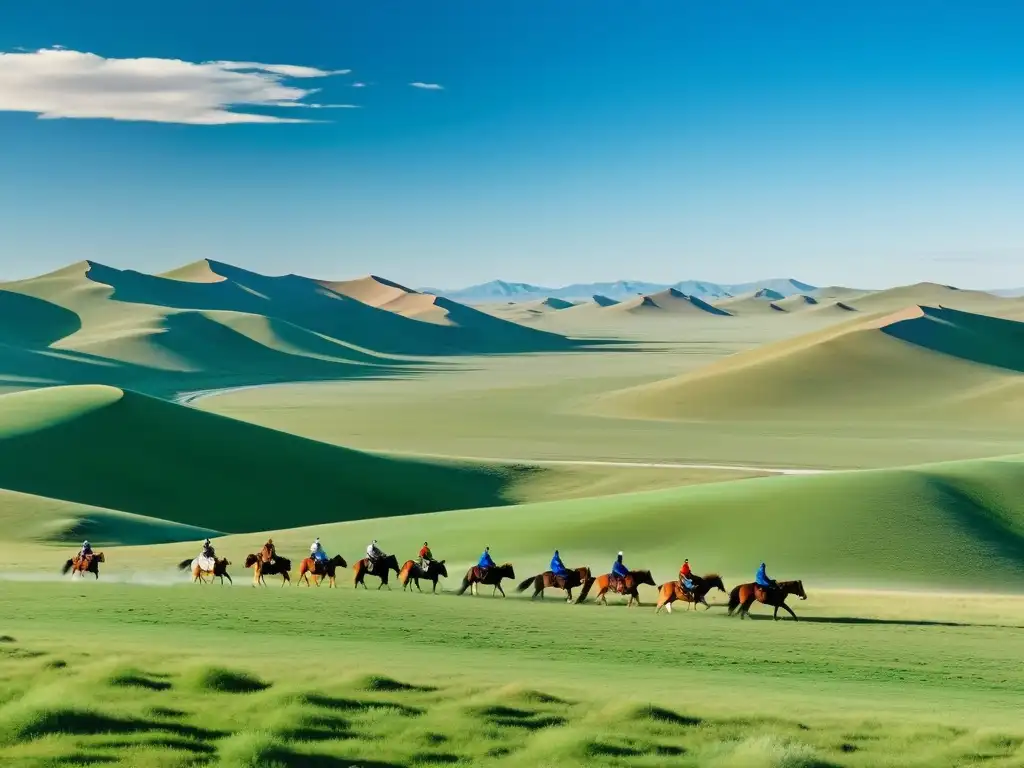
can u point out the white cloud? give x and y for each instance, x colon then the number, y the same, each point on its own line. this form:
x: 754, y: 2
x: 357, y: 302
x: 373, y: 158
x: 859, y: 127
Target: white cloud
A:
x: 60, y: 83
x: 428, y: 86
x: 358, y: 85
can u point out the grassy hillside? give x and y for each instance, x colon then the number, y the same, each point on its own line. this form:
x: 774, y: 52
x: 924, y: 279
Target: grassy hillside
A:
x: 210, y: 324
x: 954, y: 526
x: 101, y: 447
x: 922, y: 363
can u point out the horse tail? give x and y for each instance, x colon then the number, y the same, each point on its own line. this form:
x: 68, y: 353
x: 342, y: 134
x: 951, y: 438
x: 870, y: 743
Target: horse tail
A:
x: 465, y: 585
x: 734, y: 599
x: 522, y: 587
x: 67, y: 566
x: 184, y: 565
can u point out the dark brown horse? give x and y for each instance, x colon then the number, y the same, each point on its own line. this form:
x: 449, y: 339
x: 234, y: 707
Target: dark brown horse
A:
x: 281, y: 566
x: 578, y: 577
x: 83, y: 565
x: 220, y: 570
x: 673, y: 590
x: 491, y: 576
x: 319, y: 570
x: 623, y: 586
x: 382, y: 571
x: 412, y: 571
x: 744, y: 595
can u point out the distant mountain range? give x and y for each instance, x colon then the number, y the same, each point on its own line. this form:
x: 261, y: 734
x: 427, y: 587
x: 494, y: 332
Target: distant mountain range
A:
x: 499, y: 290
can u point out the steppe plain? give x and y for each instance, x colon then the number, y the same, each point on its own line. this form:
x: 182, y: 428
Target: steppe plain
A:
x: 865, y: 442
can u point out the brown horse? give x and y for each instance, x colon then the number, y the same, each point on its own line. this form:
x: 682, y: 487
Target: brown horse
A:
x: 673, y: 590
x: 623, y: 586
x: 578, y: 577
x: 281, y: 565
x: 384, y: 567
x: 220, y: 570
x: 492, y: 576
x: 411, y: 571
x: 744, y: 595
x: 328, y: 569
x: 83, y: 565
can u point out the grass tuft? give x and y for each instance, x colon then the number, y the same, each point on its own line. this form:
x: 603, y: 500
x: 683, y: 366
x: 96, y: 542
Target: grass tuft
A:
x: 225, y: 680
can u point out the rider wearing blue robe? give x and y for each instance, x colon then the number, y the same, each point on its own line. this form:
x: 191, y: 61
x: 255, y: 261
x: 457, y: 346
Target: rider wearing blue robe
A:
x: 557, y: 566
x: 485, y: 559
x: 762, y: 580
x: 619, y: 568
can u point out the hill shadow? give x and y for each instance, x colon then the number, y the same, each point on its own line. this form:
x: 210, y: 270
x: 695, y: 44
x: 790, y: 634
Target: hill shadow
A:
x: 977, y: 338
x: 26, y: 320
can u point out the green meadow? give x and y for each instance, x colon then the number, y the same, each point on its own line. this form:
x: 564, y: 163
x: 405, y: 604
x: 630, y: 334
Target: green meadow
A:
x: 868, y: 444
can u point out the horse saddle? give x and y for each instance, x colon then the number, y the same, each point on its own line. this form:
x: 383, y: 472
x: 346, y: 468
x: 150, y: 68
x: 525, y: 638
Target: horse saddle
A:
x: 480, y: 572
x: 618, y: 583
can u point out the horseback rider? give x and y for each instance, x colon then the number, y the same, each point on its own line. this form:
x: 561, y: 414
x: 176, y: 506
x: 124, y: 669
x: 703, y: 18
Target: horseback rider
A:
x: 373, y: 554
x: 620, y: 571
x: 686, y: 577
x: 268, y: 553
x: 425, y: 557
x: 557, y: 566
x: 207, y: 557
x: 762, y: 580
x: 485, y: 563
x: 316, y: 551
x: 85, y: 551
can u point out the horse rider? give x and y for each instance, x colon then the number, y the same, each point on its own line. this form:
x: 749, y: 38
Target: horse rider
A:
x: 426, y: 556
x: 485, y: 563
x: 373, y: 554
x: 85, y: 551
x: 619, y: 569
x: 207, y: 557
x: 316, y: 551
x: 269, y: 552
x: 558, y: 567
x: 686, y: 577
x: 762, y: 580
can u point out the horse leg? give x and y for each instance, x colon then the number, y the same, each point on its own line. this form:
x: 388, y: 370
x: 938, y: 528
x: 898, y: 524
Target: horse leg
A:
x: 790, y: 610
x: 498, y: 587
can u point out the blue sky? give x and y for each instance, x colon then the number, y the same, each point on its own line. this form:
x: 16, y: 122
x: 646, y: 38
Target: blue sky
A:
x: 852, y: 143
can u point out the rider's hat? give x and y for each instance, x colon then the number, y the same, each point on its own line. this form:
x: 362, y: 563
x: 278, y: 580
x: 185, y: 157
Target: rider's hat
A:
x: 620, y: 554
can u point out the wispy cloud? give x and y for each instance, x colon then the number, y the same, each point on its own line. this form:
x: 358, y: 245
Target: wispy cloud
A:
x: 358, y: 85
x: 427, y: 86
x: 59, y: 83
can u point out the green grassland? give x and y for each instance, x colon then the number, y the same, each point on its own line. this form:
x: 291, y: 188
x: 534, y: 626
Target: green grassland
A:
x: 398, y: 417
x: 106, y: 673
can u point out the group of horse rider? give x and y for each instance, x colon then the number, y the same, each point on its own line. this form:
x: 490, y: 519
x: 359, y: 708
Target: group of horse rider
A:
x: 687, y: 578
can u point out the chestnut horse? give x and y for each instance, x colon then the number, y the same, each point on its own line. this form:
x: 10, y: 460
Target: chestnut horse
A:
x: 624, y: 586
x: 281, y: 565
x: 411, y: 571
x: 744, y: 595
x: 673, y: 590
x: 82, y: 566
x: 385, y: 565
x: 578, y: 577
x: 493, y: 576
x: 329, y: 569
x: 220, y: 570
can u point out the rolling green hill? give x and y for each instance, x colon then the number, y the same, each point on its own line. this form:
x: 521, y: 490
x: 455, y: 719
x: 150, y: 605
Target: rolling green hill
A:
x: 209, y: 324
x: 91, y: 459
x: 923, y: 363
x: 955, y: 526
